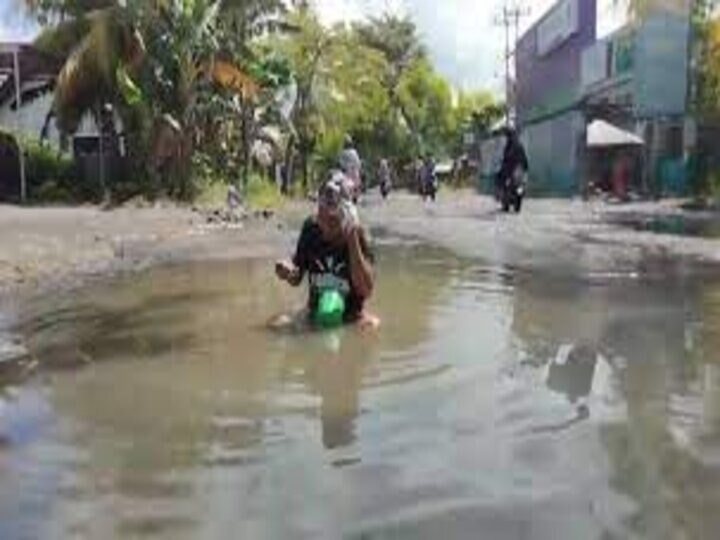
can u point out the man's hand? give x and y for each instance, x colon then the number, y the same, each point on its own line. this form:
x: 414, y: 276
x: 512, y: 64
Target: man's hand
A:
x: 350, y: 219
x: 288, y: 272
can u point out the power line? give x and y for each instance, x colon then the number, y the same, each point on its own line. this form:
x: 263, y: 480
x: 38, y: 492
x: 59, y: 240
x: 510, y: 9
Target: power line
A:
x: 509, y: 19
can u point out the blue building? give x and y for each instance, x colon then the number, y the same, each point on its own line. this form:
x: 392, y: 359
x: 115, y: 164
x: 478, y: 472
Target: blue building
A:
x: 637, y: 78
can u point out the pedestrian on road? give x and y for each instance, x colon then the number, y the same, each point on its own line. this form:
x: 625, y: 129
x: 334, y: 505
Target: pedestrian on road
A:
x: 385, y: 177
x: 428, y: 179
x: 351, y: 165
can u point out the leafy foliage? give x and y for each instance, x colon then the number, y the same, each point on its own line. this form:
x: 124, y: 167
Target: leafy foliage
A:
x: 199, y: 84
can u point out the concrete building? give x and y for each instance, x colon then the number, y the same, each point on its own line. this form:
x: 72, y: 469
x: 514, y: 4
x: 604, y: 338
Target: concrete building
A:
x: 549, y: 93
x: 636, y: 79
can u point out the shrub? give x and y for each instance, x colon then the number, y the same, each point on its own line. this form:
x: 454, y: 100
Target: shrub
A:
x: 262, y: 193
x: 714, y: 186
x: 50, y: 174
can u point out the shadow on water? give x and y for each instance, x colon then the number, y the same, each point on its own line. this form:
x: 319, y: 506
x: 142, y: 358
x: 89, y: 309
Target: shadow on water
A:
x: 523, y: 405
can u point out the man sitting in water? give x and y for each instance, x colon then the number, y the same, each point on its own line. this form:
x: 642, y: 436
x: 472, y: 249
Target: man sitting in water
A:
x: 333, y: 250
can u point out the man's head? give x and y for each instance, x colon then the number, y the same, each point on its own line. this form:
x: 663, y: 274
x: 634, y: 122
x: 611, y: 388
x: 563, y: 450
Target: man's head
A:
x: 332, y: 196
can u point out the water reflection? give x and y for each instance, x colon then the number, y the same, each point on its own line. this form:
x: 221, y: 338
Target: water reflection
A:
x: 148, y: 379
x: 337, y: 379
x: 663, y: 384
x: 528, y: 405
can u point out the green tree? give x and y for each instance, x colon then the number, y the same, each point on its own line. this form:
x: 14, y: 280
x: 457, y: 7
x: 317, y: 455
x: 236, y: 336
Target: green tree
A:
x: 706, y: 51
x: 96, y: 46
x: 639, y: 9
x: 353, y: 99
x: 242, y: 23
x: 475, y: 113
x: 398, y: 41
x: 426, y: 101
x: 307, y: 51
x: 337, y: 89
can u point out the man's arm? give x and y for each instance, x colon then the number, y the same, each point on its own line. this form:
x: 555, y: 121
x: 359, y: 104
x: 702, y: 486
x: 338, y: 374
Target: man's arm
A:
x: 361, y: 270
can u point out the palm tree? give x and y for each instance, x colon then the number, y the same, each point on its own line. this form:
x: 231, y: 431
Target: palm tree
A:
x: 98, y: 43
x: 95, y: 46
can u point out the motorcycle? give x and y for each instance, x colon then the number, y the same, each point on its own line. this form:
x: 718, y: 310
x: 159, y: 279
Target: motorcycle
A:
x: 512, y: 191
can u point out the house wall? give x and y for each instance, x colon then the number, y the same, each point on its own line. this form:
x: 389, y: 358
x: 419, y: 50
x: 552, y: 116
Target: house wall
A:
x: 491, y: 152
x: 661, y: 65
x: 549, y: 84
x: 553, y: 149
x: 549, y: 79
x: 645, y: 90
x: 32, y: 116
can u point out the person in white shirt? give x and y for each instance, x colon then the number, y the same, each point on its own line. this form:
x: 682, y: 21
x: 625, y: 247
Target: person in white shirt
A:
x: 351, y: 165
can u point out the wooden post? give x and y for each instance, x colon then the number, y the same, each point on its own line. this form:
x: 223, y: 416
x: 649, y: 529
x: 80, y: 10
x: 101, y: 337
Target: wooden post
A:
x: 18, y: 122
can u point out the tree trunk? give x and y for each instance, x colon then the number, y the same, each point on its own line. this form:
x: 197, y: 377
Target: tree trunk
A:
x: 304, y: 164
x: 288, y: 168
x: 245, y: 147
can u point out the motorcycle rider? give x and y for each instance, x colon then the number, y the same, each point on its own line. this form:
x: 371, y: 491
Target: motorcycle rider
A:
x: 514, y: 162
x: 428, y: 178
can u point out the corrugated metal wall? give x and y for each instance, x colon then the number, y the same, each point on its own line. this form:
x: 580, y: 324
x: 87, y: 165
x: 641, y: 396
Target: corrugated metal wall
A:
x: 552, y: 148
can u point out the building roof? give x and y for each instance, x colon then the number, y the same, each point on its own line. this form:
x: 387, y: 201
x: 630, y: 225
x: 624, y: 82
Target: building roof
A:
x: 37, y: 71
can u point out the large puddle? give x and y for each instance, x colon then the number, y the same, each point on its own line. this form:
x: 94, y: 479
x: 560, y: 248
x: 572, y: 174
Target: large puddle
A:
x: 493, y: 403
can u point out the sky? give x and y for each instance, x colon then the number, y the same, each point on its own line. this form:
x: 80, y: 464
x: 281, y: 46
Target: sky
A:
x: 464, y: 43
x: 14, y: 25
x: 461, y: 35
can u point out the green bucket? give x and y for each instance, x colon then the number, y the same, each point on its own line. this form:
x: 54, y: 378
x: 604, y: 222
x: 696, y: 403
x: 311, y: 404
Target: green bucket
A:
x: 330, y: 310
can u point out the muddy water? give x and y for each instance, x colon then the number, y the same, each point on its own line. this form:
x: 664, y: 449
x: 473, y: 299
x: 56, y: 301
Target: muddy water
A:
x: 494, y: 403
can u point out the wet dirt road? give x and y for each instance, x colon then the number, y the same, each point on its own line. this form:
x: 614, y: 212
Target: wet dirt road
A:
x: 543, y: 386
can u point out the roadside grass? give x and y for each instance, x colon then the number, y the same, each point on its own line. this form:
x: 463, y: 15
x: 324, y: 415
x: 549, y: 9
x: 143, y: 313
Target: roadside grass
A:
x: 261, y: 194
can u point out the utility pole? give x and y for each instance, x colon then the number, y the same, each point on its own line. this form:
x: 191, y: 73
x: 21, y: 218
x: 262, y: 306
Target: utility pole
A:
x: 512, y: 13
x: 19, y: 122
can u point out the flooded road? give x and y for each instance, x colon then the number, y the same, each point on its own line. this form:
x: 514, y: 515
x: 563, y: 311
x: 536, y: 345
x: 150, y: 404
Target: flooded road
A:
x: 498, y: 400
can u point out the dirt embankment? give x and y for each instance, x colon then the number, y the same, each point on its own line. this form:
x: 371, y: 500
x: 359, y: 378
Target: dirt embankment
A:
x: 45, y: 248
